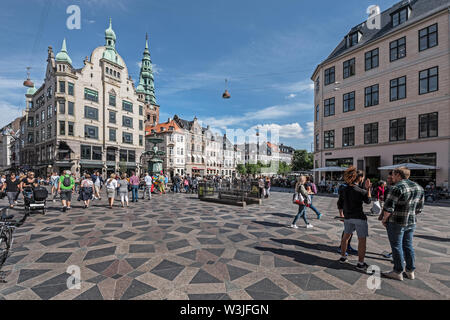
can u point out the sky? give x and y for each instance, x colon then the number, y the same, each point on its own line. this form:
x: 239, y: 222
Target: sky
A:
x: 267, y: 51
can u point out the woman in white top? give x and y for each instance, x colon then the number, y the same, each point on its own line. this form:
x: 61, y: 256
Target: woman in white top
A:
x: 111, y: 186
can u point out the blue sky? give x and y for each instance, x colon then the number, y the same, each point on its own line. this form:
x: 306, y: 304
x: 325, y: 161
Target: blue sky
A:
x: 266, y: 49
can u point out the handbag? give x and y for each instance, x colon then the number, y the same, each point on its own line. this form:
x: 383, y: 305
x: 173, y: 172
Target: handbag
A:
x: 376, y: 208
x: 298, y: 199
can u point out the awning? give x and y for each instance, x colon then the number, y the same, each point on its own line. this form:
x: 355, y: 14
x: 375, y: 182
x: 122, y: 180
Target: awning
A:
x: 411, y: 166
x: 329, y: 169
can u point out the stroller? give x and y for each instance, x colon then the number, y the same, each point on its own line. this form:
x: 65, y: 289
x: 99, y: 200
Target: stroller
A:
x: 35, y: 199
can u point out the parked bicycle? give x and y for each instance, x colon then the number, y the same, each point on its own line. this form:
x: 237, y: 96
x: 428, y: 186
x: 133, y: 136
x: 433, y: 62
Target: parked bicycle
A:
x: 7, y: 227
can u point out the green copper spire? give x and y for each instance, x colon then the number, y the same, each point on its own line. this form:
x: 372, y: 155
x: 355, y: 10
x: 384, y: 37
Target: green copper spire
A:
x: 63, y: 56
x: 146, y: 84
x: 110, y: 45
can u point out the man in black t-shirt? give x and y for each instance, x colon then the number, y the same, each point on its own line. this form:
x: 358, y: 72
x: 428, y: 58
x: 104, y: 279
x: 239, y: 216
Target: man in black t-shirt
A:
x: 350, y: 205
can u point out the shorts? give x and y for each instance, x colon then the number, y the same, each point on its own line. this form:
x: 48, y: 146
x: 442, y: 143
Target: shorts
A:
x: 361, y: 227
x: 66, y: 195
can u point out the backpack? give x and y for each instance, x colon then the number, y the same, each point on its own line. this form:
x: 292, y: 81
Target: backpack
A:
x: 67, y: 181
x: 314, y: 188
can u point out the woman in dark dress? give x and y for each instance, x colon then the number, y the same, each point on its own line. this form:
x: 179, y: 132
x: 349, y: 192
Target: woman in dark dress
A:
x: 87, y: 190
x: 12, y: 187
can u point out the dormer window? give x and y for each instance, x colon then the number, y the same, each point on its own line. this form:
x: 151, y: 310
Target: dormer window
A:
x: 353, y: 39
x: 400, y: 16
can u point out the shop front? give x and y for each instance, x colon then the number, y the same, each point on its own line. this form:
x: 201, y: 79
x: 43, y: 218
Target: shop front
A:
x: 422, y: 177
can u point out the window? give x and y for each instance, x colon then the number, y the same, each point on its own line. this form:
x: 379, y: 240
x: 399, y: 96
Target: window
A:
x: 112, y: 117
x: 329, y: 76
x: 96, y: 153
x: 328, y: 107
x: 400, y: 16
x: 112, y: 100
x: 141, y: 140
x: 112, y: 134
x: 62, y: 128
x: 428, y: 125
x: 349, y: 68
x: 30, y: 122
x: 371, y: 133
x: 428, y: 37
x: 49, y: 112
x: 70, y: 129
x: 70, y: 107
x: 127, y: 122
x: 348, y: 136
x: 131, y: 156
x: 317, y: 113
x: 90, y: 95
x: 30, y: 137
x: 141, y: 111
x: 91, y: 132
x: 428, y: 80
x: 70, y: 87
x: 398, y: 89
x: 349, y: 101
x: 62, y: 107
x: 62, y: 86
x: 317, y: 142
x: 86, y: 152
x: 141, y: 125
x: 328, y: 139
x: 353, y: 39
x: 127, y: 106
x: 371, y: 96
x: 123, y: 155
x: 397, y: 129
x: 127, y: 137
x: 397, y: 49
x: 372, y: 59
x: 110, y: 155
x: 49, y: 131
x: 42, y: 115
x: 49, y: 93
x: 90, y: 113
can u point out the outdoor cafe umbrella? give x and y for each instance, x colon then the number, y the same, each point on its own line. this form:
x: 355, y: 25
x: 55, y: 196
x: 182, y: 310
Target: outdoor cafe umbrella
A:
x: 411, y: 166
x: 330, y: 169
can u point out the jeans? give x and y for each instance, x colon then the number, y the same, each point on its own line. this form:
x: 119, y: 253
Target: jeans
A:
x: 314, y: 208
x: 401, y: 240
x: 11, y: 197
x: 148, y: 188
x: 176, y: 188
x: 134, y: 193
x: 301, y: 214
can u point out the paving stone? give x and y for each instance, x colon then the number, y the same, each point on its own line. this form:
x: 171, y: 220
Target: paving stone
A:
x: 266, y: 290
x: 204, y: 277
x: 91, y: 294
x: 100, y: 253
x: 136, y: 289
x: 177, y: 244
x: 27, y: 274
x: 236, y: 272
x: 209, y: 296
x: 247, y: 257
x: 54, y: 257
x: 309, y: 282
x: 168, y: 270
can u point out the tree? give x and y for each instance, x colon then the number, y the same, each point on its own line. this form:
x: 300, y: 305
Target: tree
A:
x: 241, y: 169
x: 302, y: 160
x: 284, y: 168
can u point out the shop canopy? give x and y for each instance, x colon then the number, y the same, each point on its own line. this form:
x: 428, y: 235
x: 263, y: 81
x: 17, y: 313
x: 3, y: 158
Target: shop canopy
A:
x: 411, y: 166
x: 330, y: 169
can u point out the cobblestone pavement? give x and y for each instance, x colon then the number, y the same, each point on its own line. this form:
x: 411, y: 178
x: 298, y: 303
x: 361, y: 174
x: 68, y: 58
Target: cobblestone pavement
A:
x: 176, y: 247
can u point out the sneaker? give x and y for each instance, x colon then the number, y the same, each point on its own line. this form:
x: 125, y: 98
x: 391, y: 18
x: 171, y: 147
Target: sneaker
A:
x: 64, y: 209
x: 339, y: 251
x: 343, y: 260
x: 68, y: 208
x: 350, y: 250
x: 309, y: 226
x: 319, y: 216
x: 410, y: 275
x: 293, y: 226
x: 393, y: 275
x: 362, y: 266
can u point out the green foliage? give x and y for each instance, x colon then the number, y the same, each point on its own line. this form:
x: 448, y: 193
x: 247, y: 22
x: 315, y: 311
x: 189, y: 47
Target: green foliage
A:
x: 241, y: 169
x: 122, y: 167
x: 284, y: 168
x: 302, y: 160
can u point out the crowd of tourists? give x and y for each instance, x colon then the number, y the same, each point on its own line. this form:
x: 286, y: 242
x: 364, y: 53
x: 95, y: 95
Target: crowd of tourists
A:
x: 400, y: 201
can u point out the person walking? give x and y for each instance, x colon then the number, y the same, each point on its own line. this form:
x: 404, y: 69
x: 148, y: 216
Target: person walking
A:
x: 123, y: 189
x: 312, y: 190
x: 66, y: 187
x: 405, y: 200
x: 111, y: 186
x: 54, y: 180
x: 261, y: 187
x: 176, y: 183
x: 350, y: 205
x: 267, y: 187
x: 300, y: 188
x: 12, y: 187
x: 148, y: 180
x: 87, y: 190
x: 134, y: 182
x: 98, y: 183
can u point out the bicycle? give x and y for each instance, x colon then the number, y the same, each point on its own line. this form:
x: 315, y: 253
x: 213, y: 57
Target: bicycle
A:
x: 7, y: 227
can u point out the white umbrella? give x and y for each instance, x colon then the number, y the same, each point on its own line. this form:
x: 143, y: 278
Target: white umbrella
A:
x: 330, y: 169
x: 411, y: 166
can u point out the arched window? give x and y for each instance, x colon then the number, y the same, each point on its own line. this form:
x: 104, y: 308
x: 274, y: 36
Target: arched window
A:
x: 107, y: 69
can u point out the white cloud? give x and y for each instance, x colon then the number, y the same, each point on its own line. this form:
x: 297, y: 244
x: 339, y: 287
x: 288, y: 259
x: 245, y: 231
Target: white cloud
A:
x: 291, y: 96
x: 9, y: 112
x: 291, y: 130
x: 298, y: 87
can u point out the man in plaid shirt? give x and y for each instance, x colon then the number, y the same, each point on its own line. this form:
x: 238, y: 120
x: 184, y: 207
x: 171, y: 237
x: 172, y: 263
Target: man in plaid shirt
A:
x: 404, y: 201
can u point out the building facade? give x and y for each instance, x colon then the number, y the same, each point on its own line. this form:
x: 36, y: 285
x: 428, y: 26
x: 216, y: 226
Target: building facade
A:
x: 382, y: 96
x: 10, y: 145
x: 92, y: 118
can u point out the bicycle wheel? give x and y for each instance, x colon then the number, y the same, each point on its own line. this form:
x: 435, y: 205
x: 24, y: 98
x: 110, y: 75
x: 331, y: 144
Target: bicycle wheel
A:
x: 4, y: 248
